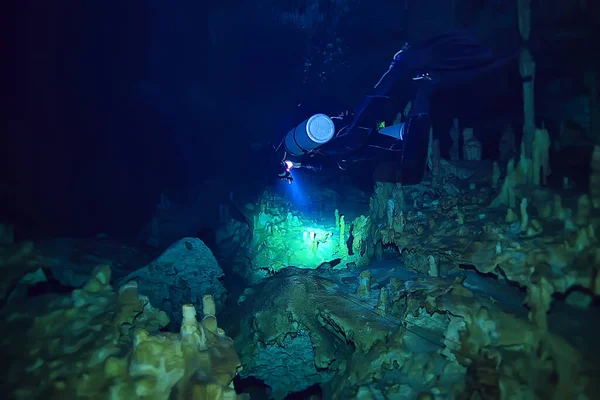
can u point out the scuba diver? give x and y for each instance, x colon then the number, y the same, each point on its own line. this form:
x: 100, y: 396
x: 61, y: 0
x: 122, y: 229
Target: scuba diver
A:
x: 286, y: 167
x: 449, y: 59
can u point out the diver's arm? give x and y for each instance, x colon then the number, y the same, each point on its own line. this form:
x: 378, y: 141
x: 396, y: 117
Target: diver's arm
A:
x: 312, y: 166
x: 306, y: 165
x: 286, y: 167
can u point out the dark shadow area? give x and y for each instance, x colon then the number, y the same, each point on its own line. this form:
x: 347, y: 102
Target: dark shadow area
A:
x: 52, y: 286
x: 256, y: 388
x: 312, y: 393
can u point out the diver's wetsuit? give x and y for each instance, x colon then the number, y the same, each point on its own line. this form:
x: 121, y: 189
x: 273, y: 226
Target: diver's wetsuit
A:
x: 447, y: 59
x: 413, y: 148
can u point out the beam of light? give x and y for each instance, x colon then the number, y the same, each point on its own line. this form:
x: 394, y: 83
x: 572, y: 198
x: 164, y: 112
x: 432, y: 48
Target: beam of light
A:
x: 295, y: 191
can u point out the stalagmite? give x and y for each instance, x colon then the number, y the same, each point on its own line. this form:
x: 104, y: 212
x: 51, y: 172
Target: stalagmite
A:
x: 455, y: 136
x: 595, y: 177
x: 471, y: 146
x: 541, y: 157
x: 527, y: 71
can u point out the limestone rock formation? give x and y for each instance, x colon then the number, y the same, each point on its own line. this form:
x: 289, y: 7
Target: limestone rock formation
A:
x: 100, y: 344
x: 184, y: 273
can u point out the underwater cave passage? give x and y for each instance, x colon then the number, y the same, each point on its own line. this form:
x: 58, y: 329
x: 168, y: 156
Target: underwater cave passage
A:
x: 259, y: 390
x: 256, y: 388
x: 313, y: 392
x: 392, y: 248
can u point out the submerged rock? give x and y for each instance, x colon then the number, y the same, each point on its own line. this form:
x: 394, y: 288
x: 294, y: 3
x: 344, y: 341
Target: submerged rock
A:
x: 102, y: 344
x: 184, y: 273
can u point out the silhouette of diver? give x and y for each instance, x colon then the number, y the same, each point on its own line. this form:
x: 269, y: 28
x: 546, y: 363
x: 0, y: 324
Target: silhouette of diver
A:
x: 449, y: 59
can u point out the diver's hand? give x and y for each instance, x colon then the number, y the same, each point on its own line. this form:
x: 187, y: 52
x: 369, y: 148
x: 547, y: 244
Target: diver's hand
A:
x: 286, y: 177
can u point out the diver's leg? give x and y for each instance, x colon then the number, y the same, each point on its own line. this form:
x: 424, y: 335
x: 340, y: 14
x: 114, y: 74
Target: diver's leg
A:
x: 416, y: 137
x: 414, y: 155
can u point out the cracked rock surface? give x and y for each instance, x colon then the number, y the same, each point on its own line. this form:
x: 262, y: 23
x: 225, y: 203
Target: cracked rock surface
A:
x: 184, y: 273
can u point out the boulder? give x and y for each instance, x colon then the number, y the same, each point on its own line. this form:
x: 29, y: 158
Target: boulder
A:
x: 184, y: 273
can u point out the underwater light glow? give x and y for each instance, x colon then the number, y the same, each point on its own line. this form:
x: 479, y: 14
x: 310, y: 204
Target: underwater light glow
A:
x: 296, y: 191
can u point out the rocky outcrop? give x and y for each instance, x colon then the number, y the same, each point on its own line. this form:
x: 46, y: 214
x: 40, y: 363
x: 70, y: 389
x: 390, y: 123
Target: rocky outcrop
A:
x: 184, y: 273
